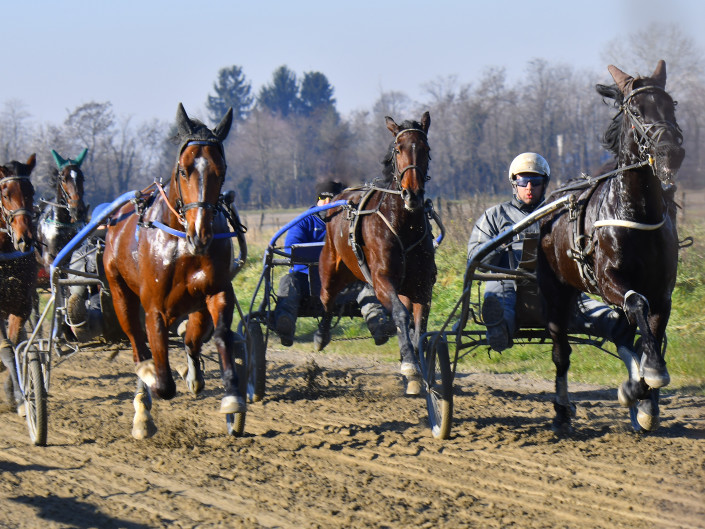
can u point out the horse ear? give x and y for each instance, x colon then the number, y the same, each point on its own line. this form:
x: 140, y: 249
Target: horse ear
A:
x: 32, y: 161
x: 659, y: 74
x: 183, y: 123
x: 391, y: 125
x: 426, y: 121
x: 223, y: 128
x: 60, y: 162
x: 79, y: 159
x: 621, y: 78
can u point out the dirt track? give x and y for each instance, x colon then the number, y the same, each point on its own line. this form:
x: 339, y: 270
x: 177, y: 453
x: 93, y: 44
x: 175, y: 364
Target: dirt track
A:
x: 346, y: 449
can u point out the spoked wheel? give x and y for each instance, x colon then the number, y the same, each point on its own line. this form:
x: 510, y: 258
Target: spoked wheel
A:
x: 256, y: 362
x: 35, y: 395
x: 439, y: 387
x: 235, y: 422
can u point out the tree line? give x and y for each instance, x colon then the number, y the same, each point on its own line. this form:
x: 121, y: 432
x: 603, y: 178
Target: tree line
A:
x: 289, y: 134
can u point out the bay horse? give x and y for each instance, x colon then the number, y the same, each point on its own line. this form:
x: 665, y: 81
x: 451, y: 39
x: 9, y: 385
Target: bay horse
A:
x: 18, y: 266
x: 170, y: 277
x: 385, y: 238
x: 619, y: 241
x: 66, y: 215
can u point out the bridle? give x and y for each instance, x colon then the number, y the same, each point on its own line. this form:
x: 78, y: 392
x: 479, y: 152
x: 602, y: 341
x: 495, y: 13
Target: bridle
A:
x: 8, y: 215
x: 181, y: 207
x: 399, y: 175
x: 648, y: 135
x: 66, y: 201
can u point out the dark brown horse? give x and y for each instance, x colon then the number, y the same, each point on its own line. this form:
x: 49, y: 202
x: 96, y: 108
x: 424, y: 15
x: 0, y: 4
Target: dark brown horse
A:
x: 618, y: 241
x: 147, y: 263
x: 18, y: 267
x: 385, y: 238
x: 65, y: 215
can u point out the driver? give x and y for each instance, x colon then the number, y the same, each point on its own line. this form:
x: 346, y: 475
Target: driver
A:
x: 529, y: 175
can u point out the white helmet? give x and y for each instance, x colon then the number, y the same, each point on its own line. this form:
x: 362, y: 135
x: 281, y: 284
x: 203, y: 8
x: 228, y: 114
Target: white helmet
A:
x: 529, y: 162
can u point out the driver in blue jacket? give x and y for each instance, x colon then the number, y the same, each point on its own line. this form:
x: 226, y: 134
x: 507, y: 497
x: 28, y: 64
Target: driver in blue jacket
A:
x: 294, y: 285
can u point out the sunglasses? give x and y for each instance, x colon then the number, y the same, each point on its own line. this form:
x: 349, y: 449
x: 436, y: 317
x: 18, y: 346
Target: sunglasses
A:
x: 523, y: 181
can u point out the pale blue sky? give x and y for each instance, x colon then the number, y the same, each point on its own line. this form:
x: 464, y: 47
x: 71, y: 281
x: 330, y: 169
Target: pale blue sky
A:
x: 146, y: 56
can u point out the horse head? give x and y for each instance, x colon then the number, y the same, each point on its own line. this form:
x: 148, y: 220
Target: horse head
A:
x: 408, y: 158
x: 69, y: 185
x: 649, y: 128
x: 17, y: 203
x: 198, y: 177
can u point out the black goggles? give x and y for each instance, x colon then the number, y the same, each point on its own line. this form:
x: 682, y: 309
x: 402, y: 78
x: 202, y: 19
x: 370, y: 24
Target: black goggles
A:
x: 523, y: 181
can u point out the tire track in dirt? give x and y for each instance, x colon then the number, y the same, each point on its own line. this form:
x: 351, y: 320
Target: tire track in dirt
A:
x: 347, y: 449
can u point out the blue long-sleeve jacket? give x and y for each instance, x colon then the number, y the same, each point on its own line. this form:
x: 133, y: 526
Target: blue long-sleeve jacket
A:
x: 309, y: 229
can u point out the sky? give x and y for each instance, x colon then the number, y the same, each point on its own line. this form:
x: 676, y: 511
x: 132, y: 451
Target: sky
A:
x: 147, y: 56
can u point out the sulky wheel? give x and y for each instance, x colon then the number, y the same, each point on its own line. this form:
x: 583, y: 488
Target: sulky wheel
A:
x: 439, y: 384
x: 235, y: 422
x: 35, y: 395
x: 256, y: 362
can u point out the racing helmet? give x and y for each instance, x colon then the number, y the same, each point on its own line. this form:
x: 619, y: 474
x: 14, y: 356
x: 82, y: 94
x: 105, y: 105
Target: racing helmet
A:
x: 529, y: 162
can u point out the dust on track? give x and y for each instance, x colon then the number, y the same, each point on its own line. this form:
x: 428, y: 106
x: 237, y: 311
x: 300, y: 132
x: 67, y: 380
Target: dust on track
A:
x: 337, y: 444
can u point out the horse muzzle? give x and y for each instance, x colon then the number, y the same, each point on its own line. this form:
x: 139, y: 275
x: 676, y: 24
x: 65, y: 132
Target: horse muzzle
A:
x: 667, y: 161
x: 412, y: 201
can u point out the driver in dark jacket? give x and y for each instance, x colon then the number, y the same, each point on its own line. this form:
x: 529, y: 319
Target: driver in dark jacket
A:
x: 529, y: 175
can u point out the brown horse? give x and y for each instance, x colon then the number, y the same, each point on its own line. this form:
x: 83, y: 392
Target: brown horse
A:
x: 147, y: 263
x: 63, y: 217
x: 18, y: 267
x: 385, y: 239
x: 619, y: 241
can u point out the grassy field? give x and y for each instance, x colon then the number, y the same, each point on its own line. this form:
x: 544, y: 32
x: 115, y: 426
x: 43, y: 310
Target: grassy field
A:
x: 686, y: 330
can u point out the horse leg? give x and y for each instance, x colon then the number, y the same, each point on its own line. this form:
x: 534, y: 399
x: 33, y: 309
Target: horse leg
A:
x: 198, y: 323
x: 333, y: 279
x: 652, y: 367
x: 420, y: 312
x: 142, y: 424
x: 387, y: 295
x: 157, y: 370
x: 12, y: 383
x: 221, y: 308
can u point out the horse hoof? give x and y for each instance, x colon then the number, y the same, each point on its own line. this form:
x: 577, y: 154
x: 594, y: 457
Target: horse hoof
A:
x: 147, y: 372
x: 232, y: 404
x: 22, y: 410
x: 320, y: 341
x: 561, y: 428
x: 410, y: 370
x: 646, y: 421
x: 143, y: 429
x: 625, y: 396
x: 656, y: 378
x: 413, y: 386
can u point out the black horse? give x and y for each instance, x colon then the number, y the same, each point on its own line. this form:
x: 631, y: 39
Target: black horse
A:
x: 618, y: 240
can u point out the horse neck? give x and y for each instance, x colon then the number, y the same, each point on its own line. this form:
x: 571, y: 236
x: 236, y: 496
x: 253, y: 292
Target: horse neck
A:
x: 640, y: 195
x: 61, y: 207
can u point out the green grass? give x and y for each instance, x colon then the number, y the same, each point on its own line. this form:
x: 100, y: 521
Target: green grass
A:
x: 686, y: 330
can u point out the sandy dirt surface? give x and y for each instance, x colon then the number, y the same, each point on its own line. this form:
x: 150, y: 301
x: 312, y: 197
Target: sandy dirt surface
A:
x: 337, y: 444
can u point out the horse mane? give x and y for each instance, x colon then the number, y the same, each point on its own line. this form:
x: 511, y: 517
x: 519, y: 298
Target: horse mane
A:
x: 610, y: 138
x: 16, y: 168
x: 388, y: 160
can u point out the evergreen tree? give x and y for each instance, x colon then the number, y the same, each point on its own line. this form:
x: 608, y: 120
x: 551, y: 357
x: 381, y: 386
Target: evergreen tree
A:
x: 231, y: 90
x: 316, y: 94
x: 282, y: 95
